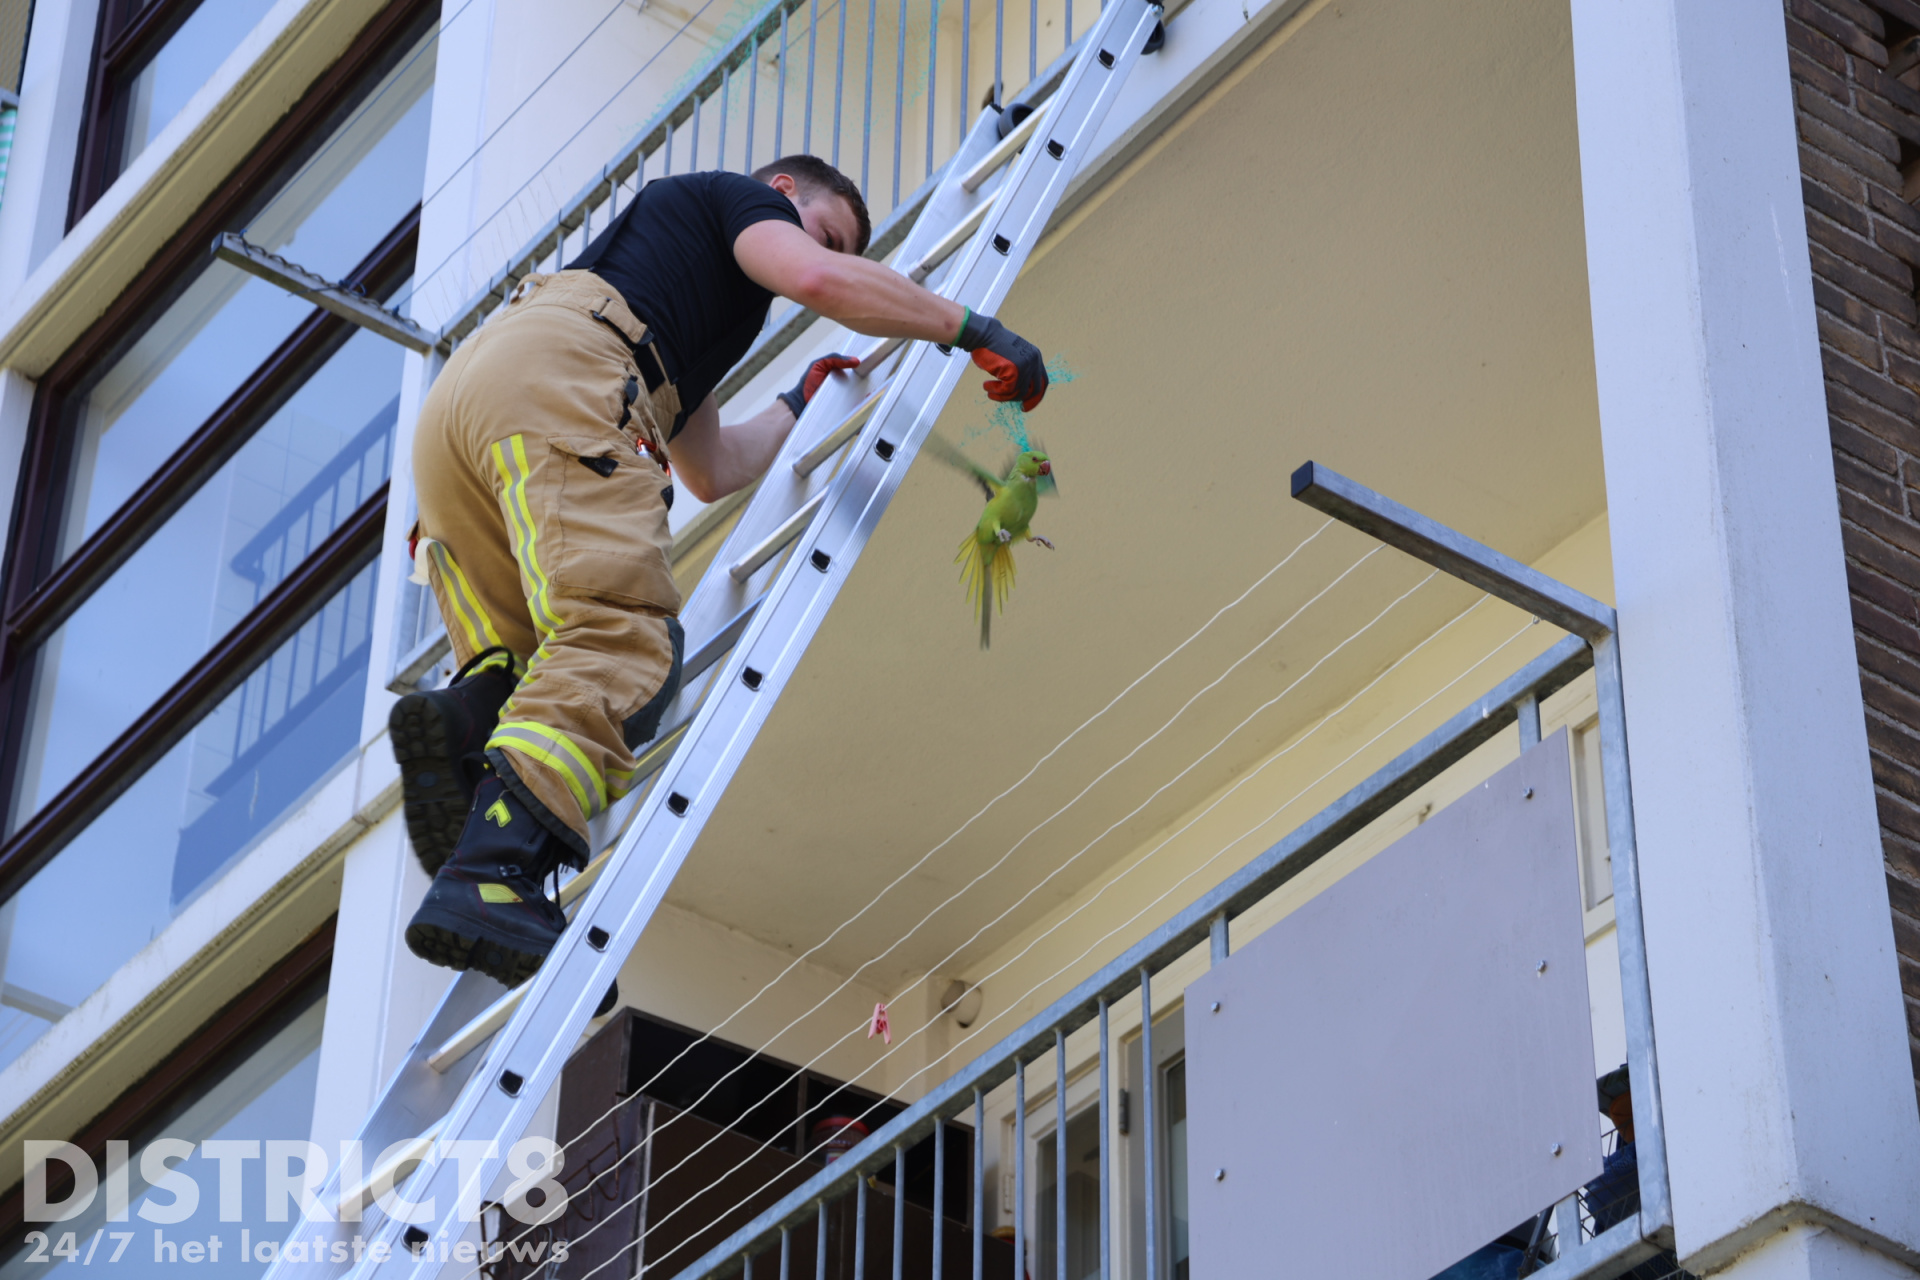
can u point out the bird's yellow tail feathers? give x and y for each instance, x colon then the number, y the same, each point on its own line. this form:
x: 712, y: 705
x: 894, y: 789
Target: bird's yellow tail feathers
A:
x: 979, y: 567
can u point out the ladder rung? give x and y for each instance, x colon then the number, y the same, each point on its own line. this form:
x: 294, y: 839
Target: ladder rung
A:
x: 809, y: 462
x: 770, y: 546
x: 717, y: 647
x: 390, y: 1172
x: 481, y: 1029
x: 950, y: 243
x: 1008, y: 148
x: 870, y: 362
x: 494, y: 1016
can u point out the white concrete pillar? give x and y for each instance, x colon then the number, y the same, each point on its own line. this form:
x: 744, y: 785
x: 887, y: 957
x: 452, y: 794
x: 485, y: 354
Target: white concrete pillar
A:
x: 1788, y: 1092
x: 393, y: 993
x: 53, y: 95
x: 16, y: 412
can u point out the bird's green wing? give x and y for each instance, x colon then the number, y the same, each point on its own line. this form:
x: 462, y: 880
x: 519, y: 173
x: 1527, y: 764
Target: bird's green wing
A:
x: 946, y: 451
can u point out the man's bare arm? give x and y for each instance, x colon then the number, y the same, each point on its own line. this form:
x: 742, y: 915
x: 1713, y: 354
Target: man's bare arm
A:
x: 710, y: 461
x: 859, y: 293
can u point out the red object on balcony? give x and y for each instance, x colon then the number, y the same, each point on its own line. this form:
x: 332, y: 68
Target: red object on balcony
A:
x: 834, y: 1136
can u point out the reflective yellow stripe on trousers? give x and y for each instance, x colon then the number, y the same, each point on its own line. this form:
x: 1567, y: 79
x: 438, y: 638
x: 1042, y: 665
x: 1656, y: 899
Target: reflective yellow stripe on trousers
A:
x: 559, y: 753
x: 510, y: 457
x: 466, y: 605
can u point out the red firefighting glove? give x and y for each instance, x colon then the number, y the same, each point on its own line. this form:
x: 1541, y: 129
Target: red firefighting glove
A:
x: 816, y: 374
x: 1018, y: 371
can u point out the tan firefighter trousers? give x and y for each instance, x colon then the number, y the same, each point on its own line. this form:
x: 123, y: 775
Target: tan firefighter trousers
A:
x: 543, y: 527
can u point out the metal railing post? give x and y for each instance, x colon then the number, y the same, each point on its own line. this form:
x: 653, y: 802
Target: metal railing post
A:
x: 780, y: 89
x: 1106, y: 1152
x: 939, y: 1198
x: 1019, y: 1167
x: 866, y: 121
x: 859, y: 1226
x: 933, y: 71
x: 899, y: 1215
x: 806, y: 118
x: 1636, y: 992
x: 1059, y: 1154
x: 999, y: 51
x: 966, y: 53
x: 839, y: 83
x: 1148, y: 1078
x: 752, y: 65
x: 726, y: 87
x: 899, y: 98
x: 979, y: 1214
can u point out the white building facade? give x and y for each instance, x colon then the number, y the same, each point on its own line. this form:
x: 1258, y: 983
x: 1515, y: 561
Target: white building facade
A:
x: 1625, y: 291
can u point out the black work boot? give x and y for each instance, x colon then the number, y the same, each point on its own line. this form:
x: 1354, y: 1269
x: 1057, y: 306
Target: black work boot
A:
x: 486, y: 909
x: 440, y: 739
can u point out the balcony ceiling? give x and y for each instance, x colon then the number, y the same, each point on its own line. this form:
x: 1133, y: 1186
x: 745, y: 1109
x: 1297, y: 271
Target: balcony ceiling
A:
x: 1366, y: 250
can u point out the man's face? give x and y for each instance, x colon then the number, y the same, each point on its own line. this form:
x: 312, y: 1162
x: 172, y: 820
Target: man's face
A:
x: 827, y: 218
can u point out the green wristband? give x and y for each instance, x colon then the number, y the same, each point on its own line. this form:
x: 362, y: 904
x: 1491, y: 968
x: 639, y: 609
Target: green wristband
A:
x: 966, y: 318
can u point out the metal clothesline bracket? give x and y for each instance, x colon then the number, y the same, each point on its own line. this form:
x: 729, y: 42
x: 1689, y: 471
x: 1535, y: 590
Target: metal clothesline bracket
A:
x: 343, y: 301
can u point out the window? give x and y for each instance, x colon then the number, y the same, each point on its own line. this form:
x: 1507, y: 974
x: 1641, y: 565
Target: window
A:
x: 130, y: 870
x: 1174, y: 1089
x: 152, y: 56
x: 1168, y: 1080
x: 190, y: 584
x: 249, y: 1076
x: 1083, y: 1200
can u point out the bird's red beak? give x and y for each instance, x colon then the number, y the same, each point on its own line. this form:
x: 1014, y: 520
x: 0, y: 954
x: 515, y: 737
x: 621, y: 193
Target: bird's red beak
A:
x: 1046, y: 468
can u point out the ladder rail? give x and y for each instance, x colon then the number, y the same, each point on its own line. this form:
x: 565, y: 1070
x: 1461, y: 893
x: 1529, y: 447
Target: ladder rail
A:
x: 415, y: 1100
x: 525, y: 1059
x: 500, y: 1090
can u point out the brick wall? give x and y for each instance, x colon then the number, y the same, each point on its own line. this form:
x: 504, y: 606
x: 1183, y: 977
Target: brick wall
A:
x: 1856, y: 84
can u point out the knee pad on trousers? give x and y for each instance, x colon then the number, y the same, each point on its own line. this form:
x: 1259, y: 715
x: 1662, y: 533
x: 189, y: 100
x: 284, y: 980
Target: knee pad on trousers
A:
x: 640, y: 727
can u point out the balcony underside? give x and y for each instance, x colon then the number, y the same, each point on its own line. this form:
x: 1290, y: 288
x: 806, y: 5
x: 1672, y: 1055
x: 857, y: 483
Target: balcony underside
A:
x: 1363, y: 247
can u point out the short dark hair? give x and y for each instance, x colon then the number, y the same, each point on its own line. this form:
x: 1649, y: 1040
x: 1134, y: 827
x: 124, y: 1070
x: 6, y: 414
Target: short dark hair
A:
x: 814, y: 176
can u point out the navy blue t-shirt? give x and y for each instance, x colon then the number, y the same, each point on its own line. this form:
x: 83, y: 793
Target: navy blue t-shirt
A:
x: 670, y: 254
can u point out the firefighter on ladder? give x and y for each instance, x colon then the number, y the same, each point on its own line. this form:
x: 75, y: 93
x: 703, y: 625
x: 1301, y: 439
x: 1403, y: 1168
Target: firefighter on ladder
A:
x: 540, y: 461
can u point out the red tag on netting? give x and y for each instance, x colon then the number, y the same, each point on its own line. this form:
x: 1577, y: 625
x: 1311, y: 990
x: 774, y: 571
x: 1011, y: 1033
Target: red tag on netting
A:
x: 879, y: 1026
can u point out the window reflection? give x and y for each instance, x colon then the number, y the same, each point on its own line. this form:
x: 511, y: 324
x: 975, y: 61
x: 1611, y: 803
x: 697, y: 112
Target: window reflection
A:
x: 225, y: 325
x: 185, y: 62
x: 129, y: 872
x: 293, y: 483
x: 266, y: 1095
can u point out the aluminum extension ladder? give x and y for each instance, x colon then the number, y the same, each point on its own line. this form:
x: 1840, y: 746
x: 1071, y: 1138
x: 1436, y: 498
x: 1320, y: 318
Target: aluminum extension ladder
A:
x: 487, y: 1059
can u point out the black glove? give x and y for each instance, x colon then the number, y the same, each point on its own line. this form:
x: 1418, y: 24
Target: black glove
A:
x: 1018, y: 371
x: 810, y: 381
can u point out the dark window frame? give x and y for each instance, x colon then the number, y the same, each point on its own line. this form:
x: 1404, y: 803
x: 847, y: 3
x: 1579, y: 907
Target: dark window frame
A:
x: 37, y: 594
x: 209, y: 1049
x: 123, y: 38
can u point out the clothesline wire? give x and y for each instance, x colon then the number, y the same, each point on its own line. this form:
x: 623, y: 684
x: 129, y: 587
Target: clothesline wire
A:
x: 1071, y: 964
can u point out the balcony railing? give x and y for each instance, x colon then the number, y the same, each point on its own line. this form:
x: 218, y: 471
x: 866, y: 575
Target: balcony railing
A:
x: 747, y: 105
x: 1598, y: 1231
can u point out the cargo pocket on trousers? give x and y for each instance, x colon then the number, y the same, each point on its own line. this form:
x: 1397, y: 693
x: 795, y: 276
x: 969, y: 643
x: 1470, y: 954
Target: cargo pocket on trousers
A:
x: 610, y: 517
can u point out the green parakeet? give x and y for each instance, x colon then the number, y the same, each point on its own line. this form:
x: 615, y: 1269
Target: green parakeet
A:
x: 986, y: 554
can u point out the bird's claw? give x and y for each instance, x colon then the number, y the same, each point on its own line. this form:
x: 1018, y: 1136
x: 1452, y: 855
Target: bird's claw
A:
x: 1042, y: 541
x: 1002, y: 536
